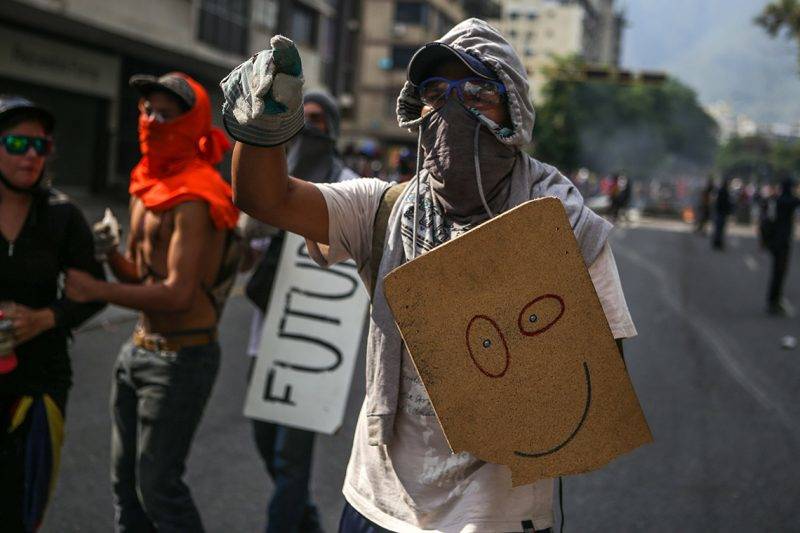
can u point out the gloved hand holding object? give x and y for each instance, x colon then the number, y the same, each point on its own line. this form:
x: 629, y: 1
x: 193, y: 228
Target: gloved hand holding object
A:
x: 264, y: 96
x: 107, y: 235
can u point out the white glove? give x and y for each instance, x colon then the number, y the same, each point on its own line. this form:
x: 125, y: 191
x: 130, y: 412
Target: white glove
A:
x: 264, y: 96
x: 107, y: 235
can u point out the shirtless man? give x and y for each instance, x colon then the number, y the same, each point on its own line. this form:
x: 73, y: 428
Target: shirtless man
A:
x: 177, y: 268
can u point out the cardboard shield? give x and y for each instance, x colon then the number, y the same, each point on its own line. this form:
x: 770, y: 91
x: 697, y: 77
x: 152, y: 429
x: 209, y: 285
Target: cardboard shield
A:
x: 511, y: 342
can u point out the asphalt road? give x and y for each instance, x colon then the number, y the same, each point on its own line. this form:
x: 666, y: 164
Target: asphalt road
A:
x: 717, y: 389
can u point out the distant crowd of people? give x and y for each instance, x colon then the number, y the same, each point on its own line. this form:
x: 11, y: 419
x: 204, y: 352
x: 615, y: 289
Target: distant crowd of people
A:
x: 775, y: 203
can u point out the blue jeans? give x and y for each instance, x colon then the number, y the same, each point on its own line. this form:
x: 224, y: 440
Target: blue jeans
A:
x: 157, y: 400
x: 287, y: 453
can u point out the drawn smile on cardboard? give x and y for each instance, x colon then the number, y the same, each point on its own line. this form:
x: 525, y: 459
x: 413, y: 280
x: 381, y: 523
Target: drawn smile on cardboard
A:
x: 488, y: 348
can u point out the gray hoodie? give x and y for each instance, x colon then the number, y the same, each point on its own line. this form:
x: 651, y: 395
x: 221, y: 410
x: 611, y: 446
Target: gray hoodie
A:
x: 529, y: 179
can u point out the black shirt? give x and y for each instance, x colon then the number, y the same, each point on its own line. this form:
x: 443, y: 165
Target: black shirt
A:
x: 786, y: 203
x: 54, y: 237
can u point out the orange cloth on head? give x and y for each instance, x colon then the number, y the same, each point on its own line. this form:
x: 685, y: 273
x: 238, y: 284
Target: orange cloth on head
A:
x: 178, y: 159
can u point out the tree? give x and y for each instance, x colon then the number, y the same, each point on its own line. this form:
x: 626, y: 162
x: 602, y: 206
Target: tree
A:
x: 779, y: 16
x: 644, y: 130
x: 757, y: 158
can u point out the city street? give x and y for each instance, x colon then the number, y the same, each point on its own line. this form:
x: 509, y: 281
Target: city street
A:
x: 718, y: 390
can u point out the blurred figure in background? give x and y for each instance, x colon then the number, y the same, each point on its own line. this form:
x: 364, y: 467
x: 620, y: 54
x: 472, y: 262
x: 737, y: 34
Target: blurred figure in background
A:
x: 42, y: 234
x: 722, y: 209
x: 287, y: 452
x: 406, y: 166
x: 704, y: 206
x: 777, y: 228
x: 620, y: 196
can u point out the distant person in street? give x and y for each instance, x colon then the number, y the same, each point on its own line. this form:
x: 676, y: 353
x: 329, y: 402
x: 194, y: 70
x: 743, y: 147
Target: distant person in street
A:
x: 467, y: 98
x: 406, y: 162
x: 704, y: 206
x: 288, y: 452
x: 620, y: 194
x: 743, y: 205
x: 179, y: 264
x: 777, y: 230
x: 42, y: 234
x: 722, y: 209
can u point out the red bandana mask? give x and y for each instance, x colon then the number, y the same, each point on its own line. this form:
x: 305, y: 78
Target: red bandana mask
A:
x: 178, y: 159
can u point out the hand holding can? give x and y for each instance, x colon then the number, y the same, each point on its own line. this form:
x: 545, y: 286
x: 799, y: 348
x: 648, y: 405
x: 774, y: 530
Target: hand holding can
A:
x: 106, y: 235
x: 8, y: 359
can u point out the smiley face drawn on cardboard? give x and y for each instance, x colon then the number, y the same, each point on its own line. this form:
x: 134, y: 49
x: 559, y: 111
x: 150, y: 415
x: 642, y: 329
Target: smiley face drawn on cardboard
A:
x: 512, y: 345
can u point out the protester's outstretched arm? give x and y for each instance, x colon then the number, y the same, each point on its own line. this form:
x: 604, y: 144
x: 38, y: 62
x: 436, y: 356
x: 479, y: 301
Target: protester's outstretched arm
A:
x: 176, y: 292
x: 123, y: 268
x: 263, y: 189
x: 263, y: 109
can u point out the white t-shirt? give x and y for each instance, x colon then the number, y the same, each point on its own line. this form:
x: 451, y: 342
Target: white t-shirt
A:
x: 261, y: 245
x: 416, y: 483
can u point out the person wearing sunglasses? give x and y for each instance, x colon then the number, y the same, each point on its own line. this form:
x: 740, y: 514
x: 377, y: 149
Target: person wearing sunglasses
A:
x: 42, y: 234
x: 467, y: 99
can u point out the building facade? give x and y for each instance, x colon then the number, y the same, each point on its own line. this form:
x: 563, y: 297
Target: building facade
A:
x: 541, y: 30
x: 76, y: 56
x: 390, y: 32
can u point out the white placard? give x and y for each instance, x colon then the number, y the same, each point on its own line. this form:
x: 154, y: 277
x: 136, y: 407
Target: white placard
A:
x: 309, y: 344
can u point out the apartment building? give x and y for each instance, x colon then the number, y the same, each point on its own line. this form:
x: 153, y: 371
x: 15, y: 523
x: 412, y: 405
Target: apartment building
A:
x: 390, y: 32
x: 542, y: 29
x: 75, y: 57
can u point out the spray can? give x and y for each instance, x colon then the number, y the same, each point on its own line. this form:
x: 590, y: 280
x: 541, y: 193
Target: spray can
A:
x: 8, y: 359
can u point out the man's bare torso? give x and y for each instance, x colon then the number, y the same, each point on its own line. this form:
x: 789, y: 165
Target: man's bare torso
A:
x: 149, y: 243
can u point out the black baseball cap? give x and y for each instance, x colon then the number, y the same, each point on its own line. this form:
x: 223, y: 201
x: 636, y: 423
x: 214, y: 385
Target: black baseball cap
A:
x: 170, y: 83
x: 427, y: 58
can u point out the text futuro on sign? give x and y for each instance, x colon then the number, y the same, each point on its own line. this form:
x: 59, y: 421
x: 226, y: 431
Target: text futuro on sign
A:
x: 309, y: 344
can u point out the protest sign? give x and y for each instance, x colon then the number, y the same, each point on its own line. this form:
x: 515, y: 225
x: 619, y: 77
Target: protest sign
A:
x: 509, y: 337
x: 310, y: 340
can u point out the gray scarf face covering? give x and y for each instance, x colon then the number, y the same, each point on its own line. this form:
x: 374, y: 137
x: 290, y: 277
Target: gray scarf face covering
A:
x: 312, y: 156
x: 460, y: 158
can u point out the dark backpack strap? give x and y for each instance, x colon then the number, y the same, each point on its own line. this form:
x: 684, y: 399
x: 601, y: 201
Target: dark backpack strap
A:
x: 226, y: 275
x: 379, y: 227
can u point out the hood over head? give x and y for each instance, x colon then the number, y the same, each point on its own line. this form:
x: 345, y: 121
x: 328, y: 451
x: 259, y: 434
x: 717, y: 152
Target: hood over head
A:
x: 483, y: 42
x: 329, y: 106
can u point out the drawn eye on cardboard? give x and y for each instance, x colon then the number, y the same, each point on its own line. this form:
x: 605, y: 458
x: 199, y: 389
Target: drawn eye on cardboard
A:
x: 519, y: 362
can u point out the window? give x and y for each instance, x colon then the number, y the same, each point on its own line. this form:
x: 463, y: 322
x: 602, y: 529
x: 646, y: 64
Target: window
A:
x: 529, y: 36
x: 224, y: 24
x: 532, y: 15
x: 513, y: 15
x: 265, y: 13
x: 529, y: 52
x: 512, y: 34
x: 401, y: 56
x: 304, y: 26
x: 411, y: 13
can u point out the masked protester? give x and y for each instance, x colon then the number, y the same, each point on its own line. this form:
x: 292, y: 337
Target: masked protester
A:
x: 287, y: 452
x: 467, y: 98
x: 405, y: 169
x: 42, y: 234
x: 777, y: 231
x: 178, y: 267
